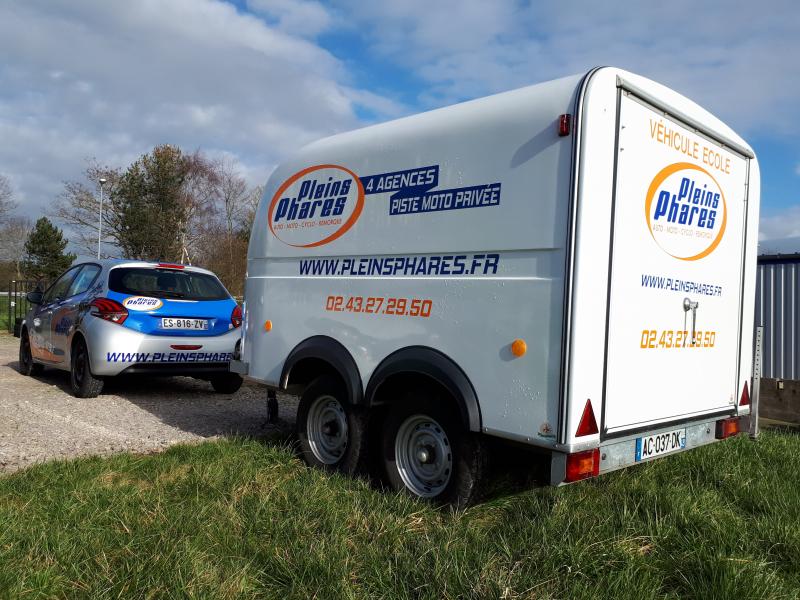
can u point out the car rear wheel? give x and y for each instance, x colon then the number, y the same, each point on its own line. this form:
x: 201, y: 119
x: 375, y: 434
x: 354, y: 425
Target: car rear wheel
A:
x: 331, y: 431
x: 26, y: 364
x: 226, y: 383
x: 428, y: 453
x: 82, y: 382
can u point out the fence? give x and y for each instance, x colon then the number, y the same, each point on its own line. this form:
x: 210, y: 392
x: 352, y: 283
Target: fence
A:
x: 13, y: 303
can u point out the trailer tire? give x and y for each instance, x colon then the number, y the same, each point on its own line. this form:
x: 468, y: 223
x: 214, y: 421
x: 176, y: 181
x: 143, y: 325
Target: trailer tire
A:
x: 332, y: 432
x: 428, y: 453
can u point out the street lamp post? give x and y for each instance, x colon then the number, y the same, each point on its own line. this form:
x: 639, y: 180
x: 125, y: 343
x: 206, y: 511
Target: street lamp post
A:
x: 100, y: 224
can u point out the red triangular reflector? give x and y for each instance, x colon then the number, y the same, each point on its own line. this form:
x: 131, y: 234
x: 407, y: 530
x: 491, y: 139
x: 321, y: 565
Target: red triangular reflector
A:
x: 588, y: 424
x: 745, y: 399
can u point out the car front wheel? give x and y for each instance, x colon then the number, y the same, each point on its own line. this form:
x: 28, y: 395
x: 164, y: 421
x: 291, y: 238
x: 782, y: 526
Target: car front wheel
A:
x: 82, y: 382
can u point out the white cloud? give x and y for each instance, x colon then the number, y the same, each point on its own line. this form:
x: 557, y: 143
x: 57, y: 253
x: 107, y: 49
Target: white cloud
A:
x: 783, y: 224
x: 736, y: 58
x: 110, y: 80
x: 304, y: 18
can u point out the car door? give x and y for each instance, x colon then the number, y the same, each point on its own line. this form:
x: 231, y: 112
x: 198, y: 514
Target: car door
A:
x: 65, y: 313
x: 43, y: 319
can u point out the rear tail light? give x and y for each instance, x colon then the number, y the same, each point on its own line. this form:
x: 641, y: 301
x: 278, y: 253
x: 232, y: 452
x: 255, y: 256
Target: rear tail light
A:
x: 109, y: 310
x: 727, y: 428
x: 170, y: 266
x: 582, y: 465
x: 745, y: 399
x: 236, y: 317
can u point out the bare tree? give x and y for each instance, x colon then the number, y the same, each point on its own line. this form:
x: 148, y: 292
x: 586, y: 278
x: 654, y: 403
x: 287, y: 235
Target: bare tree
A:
x: 199, y: 195
x: 7, y: 204
x: 13, y: 235
x: 78, y: 207
x: 232, y: 195
x: 249, y: 208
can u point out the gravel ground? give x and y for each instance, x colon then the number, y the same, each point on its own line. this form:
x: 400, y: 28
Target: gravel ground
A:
x: 40, y: 420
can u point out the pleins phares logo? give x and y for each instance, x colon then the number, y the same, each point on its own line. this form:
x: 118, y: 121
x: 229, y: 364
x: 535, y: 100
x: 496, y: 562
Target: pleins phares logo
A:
x: 686, y: 211
x: 316, y: 206
x: 142, y: 303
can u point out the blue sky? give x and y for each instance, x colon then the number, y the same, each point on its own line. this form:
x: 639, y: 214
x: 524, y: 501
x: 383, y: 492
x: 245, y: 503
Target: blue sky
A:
x: 253, y: 80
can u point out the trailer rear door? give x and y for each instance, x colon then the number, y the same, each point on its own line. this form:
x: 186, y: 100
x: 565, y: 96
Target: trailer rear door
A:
x: 676, y: 272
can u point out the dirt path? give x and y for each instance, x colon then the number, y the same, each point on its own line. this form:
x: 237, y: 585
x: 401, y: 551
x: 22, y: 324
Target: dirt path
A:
x: 40, y: 420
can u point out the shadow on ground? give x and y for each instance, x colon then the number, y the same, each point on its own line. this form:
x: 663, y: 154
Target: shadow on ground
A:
x: 60, y: 379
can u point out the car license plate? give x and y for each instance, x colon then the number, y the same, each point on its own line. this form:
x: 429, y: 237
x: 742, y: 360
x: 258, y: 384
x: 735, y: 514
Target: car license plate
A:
x: 173, y: 323
x: 660, y: 443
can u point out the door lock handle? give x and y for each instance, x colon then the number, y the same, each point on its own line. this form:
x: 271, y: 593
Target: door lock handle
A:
x: 688, y: 305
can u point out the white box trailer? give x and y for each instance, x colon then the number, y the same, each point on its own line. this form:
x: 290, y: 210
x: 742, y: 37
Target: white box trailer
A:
x: 569, y: 265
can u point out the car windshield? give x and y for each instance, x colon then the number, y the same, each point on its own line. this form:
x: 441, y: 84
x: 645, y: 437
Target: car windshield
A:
x: 166, y: 283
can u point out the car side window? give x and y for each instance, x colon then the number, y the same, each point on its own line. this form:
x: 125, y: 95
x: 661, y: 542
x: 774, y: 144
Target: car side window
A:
x: 83, y: 280
x: 60, y: 287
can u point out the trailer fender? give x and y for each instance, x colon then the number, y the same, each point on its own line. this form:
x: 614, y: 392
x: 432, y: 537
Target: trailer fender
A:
x: 318, y: 355
x: 426, y: 361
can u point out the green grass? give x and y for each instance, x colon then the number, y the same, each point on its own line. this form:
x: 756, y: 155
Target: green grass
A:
x: 7, y: 324
x: 244, y: 519
x: 4, y: 300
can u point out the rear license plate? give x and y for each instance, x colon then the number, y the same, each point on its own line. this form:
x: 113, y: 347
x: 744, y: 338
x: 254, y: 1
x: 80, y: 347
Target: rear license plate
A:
x: 172, y: 323
x: 660, y: 443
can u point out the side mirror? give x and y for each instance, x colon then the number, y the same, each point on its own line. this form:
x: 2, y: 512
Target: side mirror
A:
x: 34, y: 297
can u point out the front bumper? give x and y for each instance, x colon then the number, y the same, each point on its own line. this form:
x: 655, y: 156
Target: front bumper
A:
x: 114, y: 349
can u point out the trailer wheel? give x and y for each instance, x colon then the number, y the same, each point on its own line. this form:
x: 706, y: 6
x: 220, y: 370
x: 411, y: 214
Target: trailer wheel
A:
x: 331, y: 431
x: 428, y: 453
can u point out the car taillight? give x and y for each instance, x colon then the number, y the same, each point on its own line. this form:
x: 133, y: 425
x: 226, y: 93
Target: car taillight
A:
x: 109, y: 310
x: 236, y: 317
x: 582, y: 465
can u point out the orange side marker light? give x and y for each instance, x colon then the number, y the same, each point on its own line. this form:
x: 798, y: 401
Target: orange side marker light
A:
x: 519, y: 347
x: 267, y: 325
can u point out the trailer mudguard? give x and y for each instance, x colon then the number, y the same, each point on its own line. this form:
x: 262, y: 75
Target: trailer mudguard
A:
x: 439, y: 367
x: 328, y: 350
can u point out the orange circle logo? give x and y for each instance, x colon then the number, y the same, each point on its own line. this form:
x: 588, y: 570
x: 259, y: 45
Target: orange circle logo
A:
x: 316, y: 206
x: 686, y: 211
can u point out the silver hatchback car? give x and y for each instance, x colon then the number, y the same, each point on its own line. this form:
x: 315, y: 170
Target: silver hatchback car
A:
x: 105, y: 318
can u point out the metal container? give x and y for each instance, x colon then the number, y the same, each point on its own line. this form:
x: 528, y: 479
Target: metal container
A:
x: 778, y: 311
